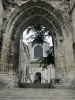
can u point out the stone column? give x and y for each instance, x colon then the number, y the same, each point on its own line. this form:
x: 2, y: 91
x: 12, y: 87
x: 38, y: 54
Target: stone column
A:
x: 68, y: 50
x: 1, y: 11
x: 5, y: 52
x: 59, y: 59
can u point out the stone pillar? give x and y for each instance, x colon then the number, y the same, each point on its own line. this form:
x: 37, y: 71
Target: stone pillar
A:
x: 5, y: 52
x: 68, y: 50
x: 59, y: 59
x: 1, y: 11
x: 1, y: 33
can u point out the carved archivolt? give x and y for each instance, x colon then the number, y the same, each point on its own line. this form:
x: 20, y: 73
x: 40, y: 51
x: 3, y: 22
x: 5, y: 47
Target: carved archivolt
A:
x: 7, y: 3
x: 29, y: 12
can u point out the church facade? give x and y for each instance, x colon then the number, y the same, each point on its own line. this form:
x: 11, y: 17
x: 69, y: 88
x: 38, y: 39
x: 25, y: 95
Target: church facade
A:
x: 31, y: 71
x: 56, y: 15
x: 38, y: 73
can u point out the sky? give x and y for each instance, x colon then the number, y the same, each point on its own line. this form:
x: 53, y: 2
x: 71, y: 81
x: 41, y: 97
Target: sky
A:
x: 25, y: 36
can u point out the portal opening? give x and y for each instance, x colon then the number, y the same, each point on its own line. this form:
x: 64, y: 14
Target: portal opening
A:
x: 37, y: 77
x: 37, y: 54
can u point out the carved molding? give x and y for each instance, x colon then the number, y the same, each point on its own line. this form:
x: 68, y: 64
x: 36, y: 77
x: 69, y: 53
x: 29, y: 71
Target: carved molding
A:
x: 7, y: 3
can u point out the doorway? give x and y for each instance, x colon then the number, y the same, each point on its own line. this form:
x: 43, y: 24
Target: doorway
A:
x: 37, y: 77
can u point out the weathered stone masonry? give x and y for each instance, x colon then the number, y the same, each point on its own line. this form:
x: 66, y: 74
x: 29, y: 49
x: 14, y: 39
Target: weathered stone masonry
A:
x: 54, y: 14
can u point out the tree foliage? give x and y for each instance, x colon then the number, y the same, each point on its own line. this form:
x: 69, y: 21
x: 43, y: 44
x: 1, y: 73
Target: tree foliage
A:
x: 40, y: 33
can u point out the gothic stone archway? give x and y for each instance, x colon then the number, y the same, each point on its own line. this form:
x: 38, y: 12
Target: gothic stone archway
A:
x: 53, y: 18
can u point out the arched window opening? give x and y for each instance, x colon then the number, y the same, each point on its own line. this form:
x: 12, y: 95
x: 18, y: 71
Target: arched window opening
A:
x: 38, y: 52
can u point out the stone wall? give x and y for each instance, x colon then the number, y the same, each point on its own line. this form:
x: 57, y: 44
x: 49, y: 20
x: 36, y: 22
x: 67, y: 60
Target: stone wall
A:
x: 53, y: 13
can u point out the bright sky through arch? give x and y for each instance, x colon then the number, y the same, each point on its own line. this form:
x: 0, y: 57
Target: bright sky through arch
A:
x: 25, y: 36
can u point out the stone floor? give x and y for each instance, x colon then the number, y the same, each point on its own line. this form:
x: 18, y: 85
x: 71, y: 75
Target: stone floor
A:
x: 37, y: 94
x: 8, y: 92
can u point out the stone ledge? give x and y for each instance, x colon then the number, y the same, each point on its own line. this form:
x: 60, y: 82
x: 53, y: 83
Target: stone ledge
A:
x: 33, y: 85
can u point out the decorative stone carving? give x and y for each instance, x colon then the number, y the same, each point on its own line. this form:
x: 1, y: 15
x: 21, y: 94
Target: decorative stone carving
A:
x: 8, y: 3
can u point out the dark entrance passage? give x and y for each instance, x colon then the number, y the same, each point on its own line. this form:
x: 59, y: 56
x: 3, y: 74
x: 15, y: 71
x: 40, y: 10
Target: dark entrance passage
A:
x: 37, y: 77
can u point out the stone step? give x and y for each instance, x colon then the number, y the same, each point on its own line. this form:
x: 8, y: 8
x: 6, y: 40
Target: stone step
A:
x: 34, y: 85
